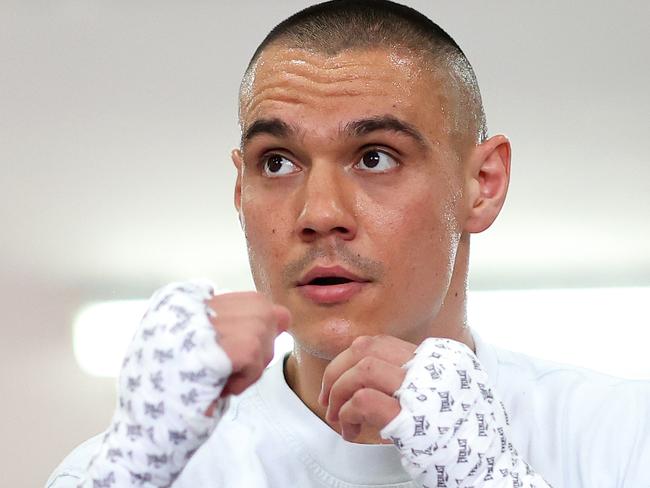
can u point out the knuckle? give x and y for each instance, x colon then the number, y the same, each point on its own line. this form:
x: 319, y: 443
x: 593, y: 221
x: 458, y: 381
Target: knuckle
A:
x: 348, y: 414
x: 344, y: 413
x: 361, y: 344
x: 362, y: 397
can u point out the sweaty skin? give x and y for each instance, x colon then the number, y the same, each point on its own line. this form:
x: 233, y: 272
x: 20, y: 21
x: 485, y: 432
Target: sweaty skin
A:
x: 404, y: 229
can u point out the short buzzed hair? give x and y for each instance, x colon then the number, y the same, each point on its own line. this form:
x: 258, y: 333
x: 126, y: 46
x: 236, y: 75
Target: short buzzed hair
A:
x: 338, y: 25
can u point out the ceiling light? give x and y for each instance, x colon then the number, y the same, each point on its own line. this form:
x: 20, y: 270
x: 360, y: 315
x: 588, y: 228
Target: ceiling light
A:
x: 605, y: 329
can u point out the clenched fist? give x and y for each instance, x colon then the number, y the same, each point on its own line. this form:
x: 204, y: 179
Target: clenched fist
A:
x: 247, y: 324
x: 358, y: 385
x: 190, y: 351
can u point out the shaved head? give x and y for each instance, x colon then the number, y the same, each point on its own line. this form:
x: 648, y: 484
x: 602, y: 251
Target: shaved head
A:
x: 360, y: 25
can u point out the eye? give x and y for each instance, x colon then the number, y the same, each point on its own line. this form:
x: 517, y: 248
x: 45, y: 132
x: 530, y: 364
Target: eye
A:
x: 275, y: 165
x: 376, y: 162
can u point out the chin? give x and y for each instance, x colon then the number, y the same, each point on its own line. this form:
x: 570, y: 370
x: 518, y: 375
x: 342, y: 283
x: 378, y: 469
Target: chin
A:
x: 327, y: 339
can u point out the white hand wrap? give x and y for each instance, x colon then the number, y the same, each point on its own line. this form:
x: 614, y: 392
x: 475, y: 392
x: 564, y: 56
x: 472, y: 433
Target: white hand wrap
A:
x: 174, y: 369
x: 452, y: 431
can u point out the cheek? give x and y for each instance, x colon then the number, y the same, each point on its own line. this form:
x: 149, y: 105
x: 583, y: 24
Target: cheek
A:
x: 405, y: 226
x: 259, y: 232
x: 417, y: 238
x: 266, y: 240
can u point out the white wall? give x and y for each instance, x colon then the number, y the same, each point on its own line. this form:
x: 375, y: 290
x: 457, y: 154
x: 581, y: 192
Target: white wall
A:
x: 116, y: 119
x: 48, y: 405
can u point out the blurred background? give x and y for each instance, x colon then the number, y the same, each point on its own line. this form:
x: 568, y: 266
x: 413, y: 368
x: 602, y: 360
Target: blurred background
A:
x: 116, y: 122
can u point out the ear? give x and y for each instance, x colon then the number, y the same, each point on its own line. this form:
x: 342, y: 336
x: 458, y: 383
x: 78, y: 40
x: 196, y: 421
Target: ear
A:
x: 488, y: 176
x: 237, y: 159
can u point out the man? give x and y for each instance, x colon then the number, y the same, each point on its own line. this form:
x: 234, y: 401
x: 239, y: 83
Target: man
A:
x: 364, y: 166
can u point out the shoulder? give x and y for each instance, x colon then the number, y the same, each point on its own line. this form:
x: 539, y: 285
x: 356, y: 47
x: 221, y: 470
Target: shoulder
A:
x: 71, y: 469
x: 577, y: 424
x: 241, y: 428
x: 514, y: 374
x: 518, y: 373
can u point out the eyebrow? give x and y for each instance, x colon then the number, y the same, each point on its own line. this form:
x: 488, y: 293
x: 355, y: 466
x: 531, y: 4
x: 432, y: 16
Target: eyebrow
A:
x: 391, y: 123
x: 273, y: 127
x: 356, y: 128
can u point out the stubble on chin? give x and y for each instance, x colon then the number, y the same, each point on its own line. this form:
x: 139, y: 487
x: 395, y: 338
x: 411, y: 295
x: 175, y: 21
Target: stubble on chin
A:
x: 327, y: 342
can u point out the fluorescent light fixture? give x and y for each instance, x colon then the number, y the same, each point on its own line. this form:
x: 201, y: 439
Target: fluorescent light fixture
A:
x: 604, y: 329
x: 283, y: 344
x: 574, y: 326
x: 102, y: 332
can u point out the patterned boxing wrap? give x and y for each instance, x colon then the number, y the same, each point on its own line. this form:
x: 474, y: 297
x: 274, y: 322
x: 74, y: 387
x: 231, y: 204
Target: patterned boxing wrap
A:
x: 173, y: 370
x: 452, y: 430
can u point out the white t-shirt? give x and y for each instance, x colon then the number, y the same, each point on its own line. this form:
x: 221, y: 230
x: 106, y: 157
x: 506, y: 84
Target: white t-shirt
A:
x: 577, y: 428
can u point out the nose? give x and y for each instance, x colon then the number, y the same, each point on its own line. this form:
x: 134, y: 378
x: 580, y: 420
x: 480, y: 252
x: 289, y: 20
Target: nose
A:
x: 326, y: 205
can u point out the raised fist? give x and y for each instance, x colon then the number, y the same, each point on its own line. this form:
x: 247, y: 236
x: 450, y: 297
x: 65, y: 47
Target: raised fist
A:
x: 247, y: 324
x: 190, y: 351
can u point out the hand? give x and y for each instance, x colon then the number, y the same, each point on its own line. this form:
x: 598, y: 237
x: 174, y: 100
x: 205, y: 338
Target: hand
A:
x: 247, y: 324
x: 452, y: 426
x: 359, y: 383
x: 173, y: 370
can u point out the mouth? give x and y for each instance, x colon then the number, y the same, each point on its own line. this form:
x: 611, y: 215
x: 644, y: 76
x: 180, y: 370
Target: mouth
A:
x: 329, y: 281
x: 331, y: 285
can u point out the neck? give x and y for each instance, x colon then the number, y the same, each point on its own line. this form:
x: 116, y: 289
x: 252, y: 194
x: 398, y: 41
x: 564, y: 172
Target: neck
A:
x: 304, y: 371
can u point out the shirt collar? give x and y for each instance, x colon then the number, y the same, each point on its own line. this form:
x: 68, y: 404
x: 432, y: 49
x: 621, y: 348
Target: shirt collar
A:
x: 322, y: 448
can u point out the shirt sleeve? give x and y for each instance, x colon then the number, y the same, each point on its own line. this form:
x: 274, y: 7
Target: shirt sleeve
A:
x: 69, y: 473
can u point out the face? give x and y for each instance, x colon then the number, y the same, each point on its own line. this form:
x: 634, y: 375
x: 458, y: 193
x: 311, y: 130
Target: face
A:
x: 350, y: 192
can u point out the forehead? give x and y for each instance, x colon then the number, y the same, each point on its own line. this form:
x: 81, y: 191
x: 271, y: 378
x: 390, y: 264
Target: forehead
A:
x: 304, y: 86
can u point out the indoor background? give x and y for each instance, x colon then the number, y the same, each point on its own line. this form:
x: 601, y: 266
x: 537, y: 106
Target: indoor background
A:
x: 116, y: 122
